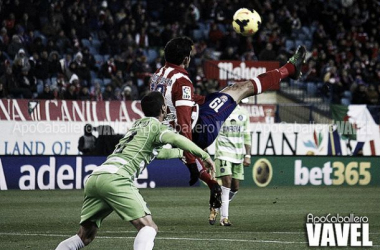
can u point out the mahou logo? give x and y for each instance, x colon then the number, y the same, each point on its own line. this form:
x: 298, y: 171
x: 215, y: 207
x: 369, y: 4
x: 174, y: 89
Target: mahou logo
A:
x: 337, y: 230
x: 227, y: 70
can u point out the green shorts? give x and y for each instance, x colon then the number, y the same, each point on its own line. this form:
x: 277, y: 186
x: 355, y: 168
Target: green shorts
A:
x: 224, y: 168
x: 106, y: 192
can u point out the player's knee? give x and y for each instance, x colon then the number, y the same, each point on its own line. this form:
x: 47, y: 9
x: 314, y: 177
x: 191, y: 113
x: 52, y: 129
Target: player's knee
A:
x: 87, y: 232
x: 87, y: 241
x: 86, y: 238
x: 240, y: 90
x: 243, y: 86
x: 153, y: 225
x: 155, y: 228
x: 226, y: 182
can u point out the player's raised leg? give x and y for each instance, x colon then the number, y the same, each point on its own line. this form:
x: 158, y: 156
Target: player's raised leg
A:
x: 268, y: 80
x: 219, y: 105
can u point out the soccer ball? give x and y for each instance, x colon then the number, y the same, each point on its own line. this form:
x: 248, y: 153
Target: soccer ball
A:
x: 262, y: 172
x: 246, y: 22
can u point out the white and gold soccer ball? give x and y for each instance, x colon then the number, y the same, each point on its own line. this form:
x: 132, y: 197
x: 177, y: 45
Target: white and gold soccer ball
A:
x: 246, y: 22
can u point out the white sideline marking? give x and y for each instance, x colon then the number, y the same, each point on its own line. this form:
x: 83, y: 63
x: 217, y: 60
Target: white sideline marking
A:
x: 171, y: 238
x: 159, y: 238
x: 221, y: 232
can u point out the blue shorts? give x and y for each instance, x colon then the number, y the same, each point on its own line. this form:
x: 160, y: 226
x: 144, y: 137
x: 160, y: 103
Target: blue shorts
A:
x: 212, y: 114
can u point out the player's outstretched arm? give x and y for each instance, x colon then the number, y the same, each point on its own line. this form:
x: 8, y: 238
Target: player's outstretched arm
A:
x: 169, y: 153
x: 184, y: 144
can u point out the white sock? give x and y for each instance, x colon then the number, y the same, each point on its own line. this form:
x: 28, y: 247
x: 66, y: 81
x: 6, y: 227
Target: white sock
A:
x: 72, y: 243
x: 145, y: 239
x: 225, y: 202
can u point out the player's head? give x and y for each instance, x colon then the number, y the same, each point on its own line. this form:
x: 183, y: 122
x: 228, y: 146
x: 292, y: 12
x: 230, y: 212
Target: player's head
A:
x: 177, y: 51
x: 153, y: 105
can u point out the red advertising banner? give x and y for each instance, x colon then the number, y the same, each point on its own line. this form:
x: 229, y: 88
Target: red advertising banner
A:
x: 61, y: 110
x: 92, y: 111
x: 237, y: 70
x: 261, y: 113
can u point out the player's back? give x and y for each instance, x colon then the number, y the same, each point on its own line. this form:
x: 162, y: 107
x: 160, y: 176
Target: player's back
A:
x: 137, y: 148
x: 175, y: 85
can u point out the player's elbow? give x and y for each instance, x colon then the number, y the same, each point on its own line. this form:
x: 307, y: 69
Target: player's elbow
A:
x: 180, y: 142
x: 175, y: 141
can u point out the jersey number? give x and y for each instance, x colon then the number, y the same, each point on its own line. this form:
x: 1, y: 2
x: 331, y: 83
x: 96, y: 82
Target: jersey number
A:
x: 121, y: 146
x: 216, y: 104
x: 161, y: 88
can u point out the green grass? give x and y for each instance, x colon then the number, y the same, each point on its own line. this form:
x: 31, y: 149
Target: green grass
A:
x: 265, y: 218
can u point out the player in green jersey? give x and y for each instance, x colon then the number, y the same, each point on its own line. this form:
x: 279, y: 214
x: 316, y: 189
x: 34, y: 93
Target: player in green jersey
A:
x: 110, y: 187
x: 232, y: 153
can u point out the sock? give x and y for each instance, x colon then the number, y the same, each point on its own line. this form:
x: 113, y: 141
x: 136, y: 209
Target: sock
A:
x: 206, y: 177
x: 266, y: 81
x: 72, y: 243
x: 225, y: 202
x: 203, y: 175
x: 232, y: 195
x: 287, y: 70
x: 145, y: 239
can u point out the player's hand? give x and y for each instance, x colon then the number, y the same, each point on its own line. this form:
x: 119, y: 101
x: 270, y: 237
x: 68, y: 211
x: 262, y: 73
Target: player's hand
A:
x: 194, y: 173
x: 210, y: 165
x: 183, y: 159
x: 247, y: 161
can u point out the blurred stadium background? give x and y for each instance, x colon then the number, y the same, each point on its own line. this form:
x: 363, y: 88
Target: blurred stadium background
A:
x: 65, y: 64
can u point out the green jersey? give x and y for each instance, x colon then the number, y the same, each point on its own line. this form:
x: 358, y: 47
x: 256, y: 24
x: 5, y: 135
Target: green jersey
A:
x: 232, y: 137
x: 142, y: 143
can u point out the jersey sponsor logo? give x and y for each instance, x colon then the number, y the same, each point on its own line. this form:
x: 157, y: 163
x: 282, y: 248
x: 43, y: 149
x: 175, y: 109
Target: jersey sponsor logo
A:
x: 159, y: 83
x: 232, y: 128
x: 186, y: 92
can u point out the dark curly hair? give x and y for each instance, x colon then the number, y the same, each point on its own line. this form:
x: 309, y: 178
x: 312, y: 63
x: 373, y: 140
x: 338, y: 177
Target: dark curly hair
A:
x: 177, y: 49
x: 151, y: 104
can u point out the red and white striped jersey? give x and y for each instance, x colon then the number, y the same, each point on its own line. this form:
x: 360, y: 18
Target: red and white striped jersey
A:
x: 174, y: 83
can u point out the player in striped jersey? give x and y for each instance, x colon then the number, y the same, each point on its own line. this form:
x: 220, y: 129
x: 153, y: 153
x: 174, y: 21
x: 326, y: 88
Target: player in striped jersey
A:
x: 199, y: 118
x: 110, y: 186
x: 232, y: 152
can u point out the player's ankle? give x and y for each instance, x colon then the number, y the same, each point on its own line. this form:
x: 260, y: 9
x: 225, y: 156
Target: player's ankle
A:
x: 287, y: 70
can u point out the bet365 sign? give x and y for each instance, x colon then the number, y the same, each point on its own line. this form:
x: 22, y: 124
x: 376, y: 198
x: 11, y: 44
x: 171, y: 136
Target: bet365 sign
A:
x: 277, y: 171
x: 333, y: 173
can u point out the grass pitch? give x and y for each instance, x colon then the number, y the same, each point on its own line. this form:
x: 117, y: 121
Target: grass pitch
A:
x: 263, y: 218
